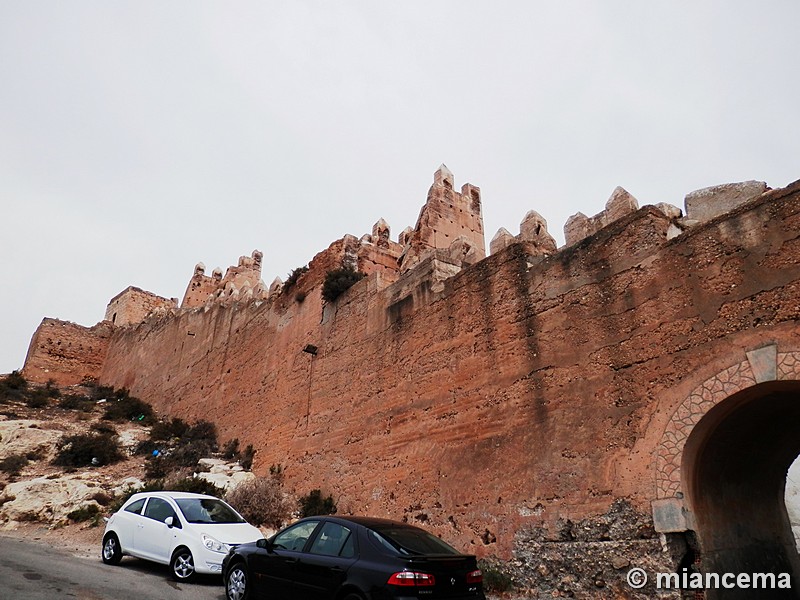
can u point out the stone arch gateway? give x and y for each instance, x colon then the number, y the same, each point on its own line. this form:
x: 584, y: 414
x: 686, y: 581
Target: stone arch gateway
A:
x: 722, y: 463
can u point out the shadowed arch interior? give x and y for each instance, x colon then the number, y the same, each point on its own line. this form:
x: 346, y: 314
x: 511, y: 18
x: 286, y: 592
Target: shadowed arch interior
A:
x: 734, y: 467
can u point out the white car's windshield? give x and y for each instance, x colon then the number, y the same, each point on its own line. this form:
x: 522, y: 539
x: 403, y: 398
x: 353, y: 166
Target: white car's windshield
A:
x: 207, y: 510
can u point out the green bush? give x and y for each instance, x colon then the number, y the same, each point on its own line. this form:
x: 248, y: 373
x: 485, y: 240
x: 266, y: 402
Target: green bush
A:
x: 103, y: 428
x: 495, y: 579
x: 76, y: 402
x: 13, y: 387
x: 195, y: 485
x: 13, y: 464
x: 339, y: 281
x: 122, y: 407
x: 87, y: 512
x: 203, y: 431
x: 261, y: 501
x: 230, y: 449
x: 179, y: 445
x: 157, y: 467
x: 167, y: 429
x: 15, y: 381
x: 247, y: 456
x: 79, y: 450
x: 314, y: 504
x: 38, y: 398
x: 291, y: 280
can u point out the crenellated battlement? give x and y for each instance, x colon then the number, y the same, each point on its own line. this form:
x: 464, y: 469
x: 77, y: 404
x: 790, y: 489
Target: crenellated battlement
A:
x: 449, y: 229
x: 241, y: 282
x: 450, y: 220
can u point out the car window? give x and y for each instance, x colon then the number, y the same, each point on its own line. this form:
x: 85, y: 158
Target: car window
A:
x: 135, y: 507
x: 159, y: 510
x: 333, y: 540
x: 207, y: 510
x: 411, y: 540
x: 296, y: 536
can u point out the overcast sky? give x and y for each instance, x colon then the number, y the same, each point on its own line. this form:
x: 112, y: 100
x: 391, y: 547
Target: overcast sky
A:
x: 140, y: 138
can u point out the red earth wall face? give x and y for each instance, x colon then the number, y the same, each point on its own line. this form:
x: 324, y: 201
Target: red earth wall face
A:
x: 66, y: 353
x: 522, y: 393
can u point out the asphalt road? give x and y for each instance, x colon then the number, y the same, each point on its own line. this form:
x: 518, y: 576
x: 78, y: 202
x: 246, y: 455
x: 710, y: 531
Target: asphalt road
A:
x: 36, y: 571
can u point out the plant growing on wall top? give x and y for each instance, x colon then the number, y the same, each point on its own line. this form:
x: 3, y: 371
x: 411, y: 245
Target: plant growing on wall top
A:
x: 291, y: 280
x: 338, y: 281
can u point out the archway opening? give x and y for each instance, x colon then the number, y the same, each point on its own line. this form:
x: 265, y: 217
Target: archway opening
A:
x: 734, y: 467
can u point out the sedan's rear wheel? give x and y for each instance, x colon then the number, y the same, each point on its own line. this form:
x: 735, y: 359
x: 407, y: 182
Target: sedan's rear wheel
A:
x: 236, y: 583
x: 112, y: 552
x: 182, y: 565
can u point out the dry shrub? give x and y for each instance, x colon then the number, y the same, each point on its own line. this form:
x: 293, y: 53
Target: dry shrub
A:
x: 79, y: 450
x: 261, y: 501
x: 13, y: 464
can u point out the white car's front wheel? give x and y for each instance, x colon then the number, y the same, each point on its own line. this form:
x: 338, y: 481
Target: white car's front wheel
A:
x: 182, y: 565
x: 111, y: 552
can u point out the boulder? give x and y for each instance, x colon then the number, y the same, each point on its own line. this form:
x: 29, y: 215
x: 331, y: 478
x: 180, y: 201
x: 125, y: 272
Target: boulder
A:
x: 45, y: 499
x: 23, y: 436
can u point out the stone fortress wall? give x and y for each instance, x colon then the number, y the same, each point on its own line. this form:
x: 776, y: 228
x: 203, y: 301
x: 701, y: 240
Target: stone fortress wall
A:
x: 511, y: 403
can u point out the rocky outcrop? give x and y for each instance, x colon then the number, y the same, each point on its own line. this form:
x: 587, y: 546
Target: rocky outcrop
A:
x: 223, y: 474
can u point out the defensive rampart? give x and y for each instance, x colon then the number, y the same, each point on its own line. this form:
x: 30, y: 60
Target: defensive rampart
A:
x: 511, y: 404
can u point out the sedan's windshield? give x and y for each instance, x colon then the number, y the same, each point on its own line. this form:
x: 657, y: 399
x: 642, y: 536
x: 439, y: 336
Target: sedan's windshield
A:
x: 207, y: 510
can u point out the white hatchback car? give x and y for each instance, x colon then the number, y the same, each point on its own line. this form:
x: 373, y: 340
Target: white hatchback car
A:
x: 191, y: 533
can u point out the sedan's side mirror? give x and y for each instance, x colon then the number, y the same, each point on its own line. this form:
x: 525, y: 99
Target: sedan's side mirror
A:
x: 169, y: 521
x: 263, y: 543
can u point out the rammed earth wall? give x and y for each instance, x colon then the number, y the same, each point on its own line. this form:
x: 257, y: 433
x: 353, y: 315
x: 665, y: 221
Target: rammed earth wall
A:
x: 496, y: 406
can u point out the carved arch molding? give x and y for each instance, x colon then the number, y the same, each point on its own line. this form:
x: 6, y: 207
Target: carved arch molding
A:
x: 762, y: 365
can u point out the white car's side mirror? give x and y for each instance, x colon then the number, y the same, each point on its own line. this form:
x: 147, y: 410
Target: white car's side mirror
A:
x: 169, y: 522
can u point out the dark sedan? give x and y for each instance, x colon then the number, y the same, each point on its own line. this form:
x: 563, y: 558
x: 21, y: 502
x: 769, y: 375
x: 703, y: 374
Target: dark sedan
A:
x: 350, y: 558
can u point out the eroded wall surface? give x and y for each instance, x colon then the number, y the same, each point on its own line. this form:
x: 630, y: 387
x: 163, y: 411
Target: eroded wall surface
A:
x: 511, y: 405
x: 66, y: 353
x: 521, y: 393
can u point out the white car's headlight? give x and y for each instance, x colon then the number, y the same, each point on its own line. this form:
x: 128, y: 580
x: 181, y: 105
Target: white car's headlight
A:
x: 214, y: 545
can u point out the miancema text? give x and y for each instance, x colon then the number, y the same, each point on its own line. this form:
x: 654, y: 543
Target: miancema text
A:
x: 699, y: 581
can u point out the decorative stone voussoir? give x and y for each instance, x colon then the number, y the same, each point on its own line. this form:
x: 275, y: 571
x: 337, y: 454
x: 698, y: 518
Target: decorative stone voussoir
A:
x: 762, y: 365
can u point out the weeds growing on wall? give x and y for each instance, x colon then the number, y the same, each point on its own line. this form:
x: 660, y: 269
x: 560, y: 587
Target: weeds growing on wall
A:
x: 291, y: 280
x: 339, y: 281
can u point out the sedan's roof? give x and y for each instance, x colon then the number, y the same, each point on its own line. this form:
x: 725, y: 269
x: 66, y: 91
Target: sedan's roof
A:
x: 371, y: 522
